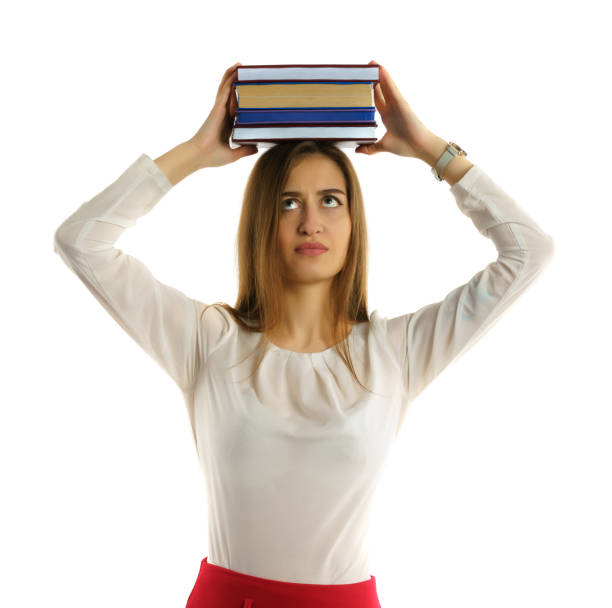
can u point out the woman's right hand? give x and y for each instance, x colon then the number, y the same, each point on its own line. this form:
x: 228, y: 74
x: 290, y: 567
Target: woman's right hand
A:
x: 212, y: 138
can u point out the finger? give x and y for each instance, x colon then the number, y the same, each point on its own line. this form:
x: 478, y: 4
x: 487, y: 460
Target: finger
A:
x: 223, y: 95
x: 370, y: 148
x: 228, y: 76
x: 379, y: 101
x: 232, y: 104
x: 245, y: 151
x: 224, y: 80
x: 389, y: 88
x: 379, y: 98
x: 363, y: 149
x: 231, y: 69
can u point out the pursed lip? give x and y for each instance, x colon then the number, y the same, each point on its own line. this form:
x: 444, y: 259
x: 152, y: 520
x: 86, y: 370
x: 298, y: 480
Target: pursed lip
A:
x: 311, y: 246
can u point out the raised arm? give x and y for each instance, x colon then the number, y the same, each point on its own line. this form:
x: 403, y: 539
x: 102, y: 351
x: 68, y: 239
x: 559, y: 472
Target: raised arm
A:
x: 430, y: 338
x: 161, y: 319
x: 166, y: 323
x: 427, y: 340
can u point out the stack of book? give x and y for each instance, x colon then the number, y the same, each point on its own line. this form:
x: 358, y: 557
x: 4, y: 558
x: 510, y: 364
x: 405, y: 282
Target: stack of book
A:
x: 329, y: 102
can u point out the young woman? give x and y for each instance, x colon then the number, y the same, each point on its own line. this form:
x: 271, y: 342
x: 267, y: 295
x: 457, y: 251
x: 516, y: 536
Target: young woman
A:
x: 296, y: 393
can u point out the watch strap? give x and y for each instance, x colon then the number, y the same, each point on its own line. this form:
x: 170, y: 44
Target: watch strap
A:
x: 451, y: 150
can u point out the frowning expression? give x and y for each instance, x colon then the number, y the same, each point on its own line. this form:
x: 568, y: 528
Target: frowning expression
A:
x: 314, y: 207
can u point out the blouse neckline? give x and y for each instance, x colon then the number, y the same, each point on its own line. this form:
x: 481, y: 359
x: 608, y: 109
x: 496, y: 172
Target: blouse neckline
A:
x: 302, y: 354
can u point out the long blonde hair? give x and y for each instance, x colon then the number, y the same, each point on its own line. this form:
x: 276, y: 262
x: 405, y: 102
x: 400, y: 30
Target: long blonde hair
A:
x: 260, y: 287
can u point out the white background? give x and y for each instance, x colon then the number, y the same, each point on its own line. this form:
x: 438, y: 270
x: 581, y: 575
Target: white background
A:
x: 497, y: 492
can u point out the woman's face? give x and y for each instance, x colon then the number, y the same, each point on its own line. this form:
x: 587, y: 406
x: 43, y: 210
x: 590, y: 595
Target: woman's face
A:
x: 307, y: 215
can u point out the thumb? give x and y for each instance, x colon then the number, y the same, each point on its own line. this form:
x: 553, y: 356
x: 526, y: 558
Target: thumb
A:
x: 370, y: 148
x: 245, y: 151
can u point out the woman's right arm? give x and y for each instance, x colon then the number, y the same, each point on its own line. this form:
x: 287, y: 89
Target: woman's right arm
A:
x: 181, y: 161
x: 161, y: 319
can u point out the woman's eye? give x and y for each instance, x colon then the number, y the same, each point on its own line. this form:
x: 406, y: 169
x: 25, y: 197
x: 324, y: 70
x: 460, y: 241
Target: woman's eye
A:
x: 288, y: 200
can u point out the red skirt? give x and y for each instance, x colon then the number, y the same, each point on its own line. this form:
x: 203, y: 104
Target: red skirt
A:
x: 218, y: 587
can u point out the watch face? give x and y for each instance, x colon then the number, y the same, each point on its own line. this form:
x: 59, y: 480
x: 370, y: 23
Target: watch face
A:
x: 461, y: 150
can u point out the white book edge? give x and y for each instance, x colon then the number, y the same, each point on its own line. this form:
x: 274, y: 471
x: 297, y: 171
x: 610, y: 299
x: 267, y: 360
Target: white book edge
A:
x: 342, y: 143
x: 302, y: 132
x: 312, y: 73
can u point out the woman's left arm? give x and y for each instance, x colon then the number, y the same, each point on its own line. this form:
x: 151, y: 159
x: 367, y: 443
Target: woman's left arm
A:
x: 456, y: 168
x: 439, y: 333
x: 427, y: 340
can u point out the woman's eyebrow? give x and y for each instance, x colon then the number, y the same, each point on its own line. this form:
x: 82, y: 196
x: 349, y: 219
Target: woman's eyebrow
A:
x: 296, y: 193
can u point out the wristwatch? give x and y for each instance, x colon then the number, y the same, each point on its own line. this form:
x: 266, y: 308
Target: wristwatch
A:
x: 449, y: 153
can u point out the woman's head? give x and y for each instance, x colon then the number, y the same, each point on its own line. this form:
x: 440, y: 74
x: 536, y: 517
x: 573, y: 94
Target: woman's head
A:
x: 314, y: 207
x: 272, y: 224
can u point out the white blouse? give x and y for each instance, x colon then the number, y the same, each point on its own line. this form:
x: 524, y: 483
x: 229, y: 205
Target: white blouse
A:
x: 292, y: 457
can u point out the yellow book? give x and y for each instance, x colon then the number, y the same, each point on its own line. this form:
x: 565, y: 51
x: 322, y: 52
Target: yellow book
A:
x: 304, y: 95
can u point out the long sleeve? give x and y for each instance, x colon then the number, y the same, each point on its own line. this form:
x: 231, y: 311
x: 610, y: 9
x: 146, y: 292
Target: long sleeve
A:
x: 430, y: 338
x: 160, y: 318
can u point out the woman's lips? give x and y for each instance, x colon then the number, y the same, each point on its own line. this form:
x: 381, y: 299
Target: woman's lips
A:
x: 311, y: 251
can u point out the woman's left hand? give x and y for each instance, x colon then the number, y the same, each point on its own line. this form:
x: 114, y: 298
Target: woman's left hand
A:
x: 406, y: 135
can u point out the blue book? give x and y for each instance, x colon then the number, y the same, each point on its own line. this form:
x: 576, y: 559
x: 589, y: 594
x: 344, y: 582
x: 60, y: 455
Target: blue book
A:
x: 304, y: 115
